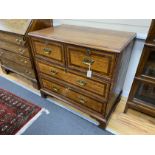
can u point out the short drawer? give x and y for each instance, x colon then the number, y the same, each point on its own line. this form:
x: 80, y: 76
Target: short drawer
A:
x: 51, y: 50
x: 29, y: 73
x: 15, y: 58
x: 77, y: 80
x: 15, y: 48
x: 13, y: 38
x: 101, y: 62
x: 73, y: 95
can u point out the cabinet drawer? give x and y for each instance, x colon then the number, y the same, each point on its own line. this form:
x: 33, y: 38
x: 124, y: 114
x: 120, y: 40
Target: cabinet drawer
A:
x: 29, y: 73
x: 102, y: 63
x: 71, y: 94
x: 77, y: 80
x: 15, y: 58
x: 51, y: 50
x: 13, y: 38
x: 15, y: 48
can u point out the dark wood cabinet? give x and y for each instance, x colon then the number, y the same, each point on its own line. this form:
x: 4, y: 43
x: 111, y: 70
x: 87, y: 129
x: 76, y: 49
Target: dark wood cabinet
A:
x: 15, y: 51
x: 142, y: 94
x: 63, y: 55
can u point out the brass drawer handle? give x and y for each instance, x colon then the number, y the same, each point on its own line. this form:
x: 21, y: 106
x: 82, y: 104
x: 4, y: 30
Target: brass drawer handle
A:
x: 68, y: 88
x: 55, y: 89
x: 1, y: 53
x: 81, y: 100
x: 47, y: 50
x: 53, y: 72
x: 21, y: 51
x: 28, y: 72
x: 19, y: 41
x: 81, y: 82
x: 24, y: 61
x: 88, y: 61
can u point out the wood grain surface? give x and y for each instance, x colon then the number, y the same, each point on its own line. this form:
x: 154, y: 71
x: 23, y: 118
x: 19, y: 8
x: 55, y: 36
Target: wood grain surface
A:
x: 88, y: 37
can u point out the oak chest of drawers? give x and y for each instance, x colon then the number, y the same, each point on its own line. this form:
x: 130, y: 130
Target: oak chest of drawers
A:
x: 85, y: 67
x: 15, y: 52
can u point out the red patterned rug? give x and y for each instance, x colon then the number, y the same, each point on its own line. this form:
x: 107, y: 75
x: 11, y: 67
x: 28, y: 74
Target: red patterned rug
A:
x: 15, y: 112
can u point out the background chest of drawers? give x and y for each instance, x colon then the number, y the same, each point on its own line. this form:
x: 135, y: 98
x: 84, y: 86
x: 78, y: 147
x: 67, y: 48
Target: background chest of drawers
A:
x: 142, y: 94
x: 15, y: 53
x: 64, y: 54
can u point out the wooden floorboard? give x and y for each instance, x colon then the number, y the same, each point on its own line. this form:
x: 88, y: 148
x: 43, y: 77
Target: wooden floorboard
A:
x: 131, y: 123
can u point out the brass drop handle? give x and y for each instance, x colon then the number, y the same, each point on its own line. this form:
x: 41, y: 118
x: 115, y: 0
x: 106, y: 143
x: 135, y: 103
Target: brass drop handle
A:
x: 53, y: 72
x: 88, y: 61
x: 28, y: 72
x: 23, y: 61
x: 19, y: 41
x: 68, y: 88
x: 21, y: 51
x: 47, y: 50
x: 1, y: 53
x: 81, y: 82
x: 81, y: 100
x: 55, y: 89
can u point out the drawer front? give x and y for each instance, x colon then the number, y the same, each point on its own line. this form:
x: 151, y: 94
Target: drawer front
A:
x: 84, y: 83
x: 16, y: 39
x: 15, y: 48
x: 15, y: 58
x: 53, y: 51
x: 71, y: 94
x: 102, y: 63
x: 18, y: 68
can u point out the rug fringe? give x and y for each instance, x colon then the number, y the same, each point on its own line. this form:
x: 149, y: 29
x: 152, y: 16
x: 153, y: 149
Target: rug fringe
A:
x: 28, y: 124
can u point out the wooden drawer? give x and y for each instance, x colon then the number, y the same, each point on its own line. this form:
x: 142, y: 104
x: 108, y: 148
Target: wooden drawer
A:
x: 13, y: 38
x: 15, y: 58
x: 15, y: 48
x: 71, y: 94
x: 77, y: 80
x: 51, y: 50
x: 102, y: 63
x: 29, y: 73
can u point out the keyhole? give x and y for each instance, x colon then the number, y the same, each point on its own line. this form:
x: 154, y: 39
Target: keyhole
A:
x: 88, y: 52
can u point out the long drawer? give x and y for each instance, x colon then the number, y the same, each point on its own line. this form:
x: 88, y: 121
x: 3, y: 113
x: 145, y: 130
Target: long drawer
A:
x: 71, y: 94
x: 15, y: 48
x: 50, y: 50
x: 15, y: 58
x: 13, y: 38
x: 77, y: 80
x: 29, y: 73
x: 101, y: 63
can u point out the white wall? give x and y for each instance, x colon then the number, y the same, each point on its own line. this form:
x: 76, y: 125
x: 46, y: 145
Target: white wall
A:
x: 136, y: 53
x: 139, y: 26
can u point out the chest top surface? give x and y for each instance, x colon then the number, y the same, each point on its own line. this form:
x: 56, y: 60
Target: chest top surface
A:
x: 101, y: 39
x: 18, y: 26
